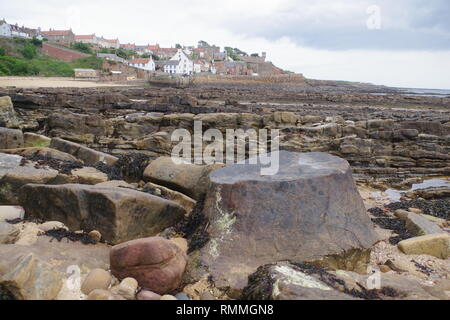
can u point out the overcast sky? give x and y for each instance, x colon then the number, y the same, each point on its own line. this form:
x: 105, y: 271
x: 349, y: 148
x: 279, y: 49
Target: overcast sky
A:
x: 398, y: 43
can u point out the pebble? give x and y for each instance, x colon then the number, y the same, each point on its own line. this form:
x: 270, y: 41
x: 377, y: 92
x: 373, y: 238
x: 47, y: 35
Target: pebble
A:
x: 168, y: 297
x: 182, y: 296
x: 96, y: 279
x: 148, y: 295
x: 101, y: 294
x: 127, y: 288
x: 51, y: 225
x: 384, y: 268
x: 95, y: 235
x: 415, y: 210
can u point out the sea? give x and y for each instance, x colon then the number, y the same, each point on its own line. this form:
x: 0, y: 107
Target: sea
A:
x: 425, y: 92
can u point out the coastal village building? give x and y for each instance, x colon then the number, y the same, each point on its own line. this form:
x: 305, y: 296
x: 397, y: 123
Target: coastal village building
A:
x: 89, y: 39
x: 233, y: 68
x: 14, y: 30
x: 165, y: 53
x: 171, y: 66
x: 128, y: 46
x: 85, y: 73
x: 113, y: 43
x: 219, y: 56
x: 63, y: 37
x: 5, y: 29
x: 142, y: 63
x: 17, y: 31
x: 100, y: 42
x: 111, y: 57
x: 186, y: 65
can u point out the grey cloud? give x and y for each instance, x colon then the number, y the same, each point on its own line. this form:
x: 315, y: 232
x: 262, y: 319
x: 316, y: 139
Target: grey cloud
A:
x: 406, y: 25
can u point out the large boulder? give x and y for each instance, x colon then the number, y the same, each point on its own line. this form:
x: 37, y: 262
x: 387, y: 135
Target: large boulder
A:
x: 119, y: 214
x: 89, y: 156
x: 156, y: 263
x: 187, y: 178
x: 308, y: 210
x: 8, y: 117
x: 10, y: 138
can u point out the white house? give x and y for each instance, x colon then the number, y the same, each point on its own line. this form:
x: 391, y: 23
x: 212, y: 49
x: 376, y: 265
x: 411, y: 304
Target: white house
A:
x: 5, y: 29
x: 143, y: 63
x: 185, y: 65
x: 172, y: 67
x: 17, y: 31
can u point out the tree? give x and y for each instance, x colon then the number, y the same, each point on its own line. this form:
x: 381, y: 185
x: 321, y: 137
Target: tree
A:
x: 2, y: 52
x: 29, y: 51
x: 202, y: 43
x: 178, y: 46
x: 36, y: 42
x: 255, y: 55
x: 145, y: 55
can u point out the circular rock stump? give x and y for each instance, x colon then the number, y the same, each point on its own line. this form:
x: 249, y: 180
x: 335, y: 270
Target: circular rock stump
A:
x: 308, y: 210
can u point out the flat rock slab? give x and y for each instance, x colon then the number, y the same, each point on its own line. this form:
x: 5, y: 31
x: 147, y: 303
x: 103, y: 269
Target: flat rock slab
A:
x: 119, y: 214
x: 13, y: 176
x: 60, y: 254
x: 310, y: 209
x: 89, y: 156
x: 190, y: 179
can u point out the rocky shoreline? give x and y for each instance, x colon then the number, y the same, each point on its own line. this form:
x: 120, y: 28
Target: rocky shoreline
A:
x: 92, y: 207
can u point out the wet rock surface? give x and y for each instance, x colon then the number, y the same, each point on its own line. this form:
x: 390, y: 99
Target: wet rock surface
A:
x: 85, y: 136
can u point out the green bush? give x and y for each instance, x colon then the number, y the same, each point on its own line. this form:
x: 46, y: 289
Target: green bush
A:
x: 88, y: 63
x: 29, y: 51
x: 2, y: 52
x: 82, y: 47
x: 45, y: 66
x: 36, y: 42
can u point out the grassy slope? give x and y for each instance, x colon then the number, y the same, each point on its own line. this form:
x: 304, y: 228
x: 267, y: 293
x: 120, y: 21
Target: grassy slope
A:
x: 13, y: 63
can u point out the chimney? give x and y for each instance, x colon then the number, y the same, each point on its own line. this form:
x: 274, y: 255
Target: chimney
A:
x: 263, y: 55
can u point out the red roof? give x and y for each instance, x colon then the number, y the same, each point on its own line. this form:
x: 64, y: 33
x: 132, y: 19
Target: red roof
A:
x: 153, y: 47
x: 112, y: 41
x: 57, y: 32
x: 128, y: 46
x: 88, y: 36
x: 140, y: 61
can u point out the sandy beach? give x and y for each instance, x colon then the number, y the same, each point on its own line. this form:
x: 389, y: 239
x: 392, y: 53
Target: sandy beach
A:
x: 52, y: 82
